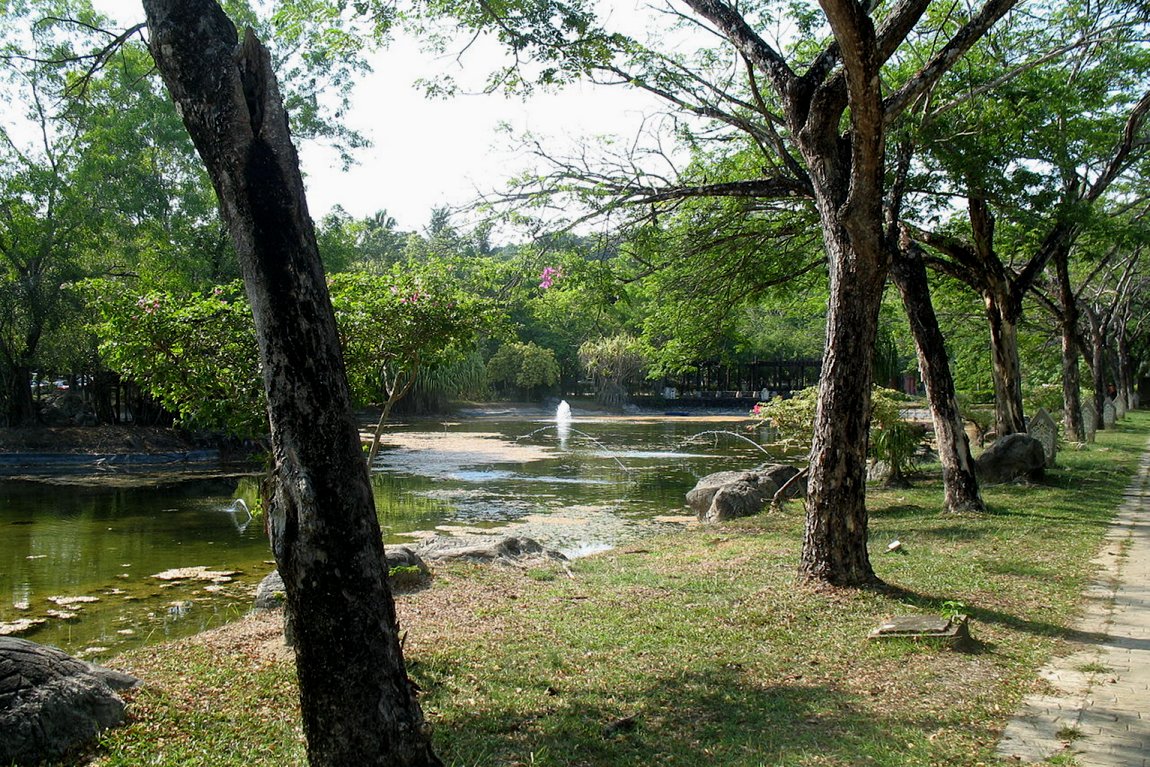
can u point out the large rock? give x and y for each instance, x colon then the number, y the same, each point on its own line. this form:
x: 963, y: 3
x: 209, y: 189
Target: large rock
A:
x: 1043, y: 428
x: 505, y: 549
x: 405, y: 568
x: 1011, y: 457
x: 52, y: 703
x: 731, y: 494
x: 271, y: 593
x: 781, y: 474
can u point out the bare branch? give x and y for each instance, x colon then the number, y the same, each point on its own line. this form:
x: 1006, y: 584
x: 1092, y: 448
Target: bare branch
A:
x: 781, y: 187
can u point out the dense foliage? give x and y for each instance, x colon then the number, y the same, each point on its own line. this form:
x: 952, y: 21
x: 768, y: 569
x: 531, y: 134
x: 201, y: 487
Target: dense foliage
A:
x: 194, y: 352
x: 99, y: 180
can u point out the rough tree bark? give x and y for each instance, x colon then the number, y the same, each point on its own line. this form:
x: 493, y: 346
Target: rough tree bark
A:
x: 1098, y: 324
x: 1071, y: 388
x: 1002, y: 298
x: 1002, y: 317
x: 908, y: 271
x: 846, y: 177
x: 359, y: 708
x: 1125, y: 364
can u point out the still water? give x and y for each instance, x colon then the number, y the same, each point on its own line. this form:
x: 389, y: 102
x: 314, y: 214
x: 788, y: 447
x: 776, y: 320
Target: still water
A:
x: 81, y: 553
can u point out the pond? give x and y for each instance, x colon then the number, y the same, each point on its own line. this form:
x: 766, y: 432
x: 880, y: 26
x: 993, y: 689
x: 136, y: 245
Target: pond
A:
x: 80, y: 555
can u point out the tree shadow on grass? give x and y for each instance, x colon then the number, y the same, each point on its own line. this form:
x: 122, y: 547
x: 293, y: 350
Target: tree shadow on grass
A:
x: 1001, y: 510
x: 900, y: 511
x: 712, y: 715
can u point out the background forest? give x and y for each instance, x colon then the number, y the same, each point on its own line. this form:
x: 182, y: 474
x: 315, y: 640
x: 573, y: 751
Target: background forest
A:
x: 1023, y: 195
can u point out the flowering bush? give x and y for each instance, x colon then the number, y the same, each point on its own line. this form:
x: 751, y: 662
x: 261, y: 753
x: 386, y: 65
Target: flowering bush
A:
x: 193, y: 352
x: 391, y: 325
x: 196, y: 352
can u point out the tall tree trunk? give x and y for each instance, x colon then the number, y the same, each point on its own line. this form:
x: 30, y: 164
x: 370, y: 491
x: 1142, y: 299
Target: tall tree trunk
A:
x: 1005, y: 368
x: 1125, y: 366
x: 960, y: 485
x: 1068, y: 316
x: 845, y: 170
x: 1071, y: 387
x: 359, y: 708
x: 21, y: 408
x: 104, y: 384
x: 835, y: 537
x: 848, y: 177
x: 1098, y: 364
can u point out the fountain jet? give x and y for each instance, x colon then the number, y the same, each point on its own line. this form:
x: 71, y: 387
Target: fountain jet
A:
x: 563, y: 423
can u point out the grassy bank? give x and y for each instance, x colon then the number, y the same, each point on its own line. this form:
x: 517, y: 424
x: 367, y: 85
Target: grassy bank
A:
x: 698, y: 647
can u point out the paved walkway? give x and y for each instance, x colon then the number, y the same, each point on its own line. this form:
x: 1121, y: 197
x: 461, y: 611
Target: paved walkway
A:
x: 1097, y: 709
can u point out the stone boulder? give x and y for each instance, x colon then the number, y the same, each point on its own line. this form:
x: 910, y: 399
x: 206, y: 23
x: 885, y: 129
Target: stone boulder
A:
x: 503, y: 549
x: 406, y: 570
x: 1011, y: 457
x: 781, y: 474
x: 52, y: 703
x: 271, y: 593
x: 731, y: 494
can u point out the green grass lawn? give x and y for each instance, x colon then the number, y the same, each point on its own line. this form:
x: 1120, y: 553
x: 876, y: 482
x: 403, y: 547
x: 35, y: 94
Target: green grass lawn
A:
x: 698, y: 647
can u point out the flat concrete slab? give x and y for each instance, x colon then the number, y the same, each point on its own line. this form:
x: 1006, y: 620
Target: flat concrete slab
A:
x: 942, y: 632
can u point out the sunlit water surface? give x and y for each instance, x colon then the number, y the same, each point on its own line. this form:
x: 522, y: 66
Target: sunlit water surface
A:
x: 595, y: 484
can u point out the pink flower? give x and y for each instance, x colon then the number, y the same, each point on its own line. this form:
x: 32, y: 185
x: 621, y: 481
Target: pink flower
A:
x: 550, y: 274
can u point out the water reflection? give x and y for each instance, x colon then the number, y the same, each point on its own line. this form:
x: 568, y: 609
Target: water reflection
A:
x: 580, y: 492
x: 61, y: 544
x: 573, y: 489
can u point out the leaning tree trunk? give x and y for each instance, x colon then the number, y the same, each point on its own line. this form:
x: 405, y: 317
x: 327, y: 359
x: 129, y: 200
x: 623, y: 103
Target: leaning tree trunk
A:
x: 359, y: 708
x: 960, y: 485
x: 1005, y: 368
x: 1068, y: 322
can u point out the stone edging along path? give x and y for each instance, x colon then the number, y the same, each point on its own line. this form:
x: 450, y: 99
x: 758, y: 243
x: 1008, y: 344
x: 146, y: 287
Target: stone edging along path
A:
x: 1097, y: 709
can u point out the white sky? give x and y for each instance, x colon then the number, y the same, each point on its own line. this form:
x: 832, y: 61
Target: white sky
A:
x: 434, y: 152
x: 429, y: 153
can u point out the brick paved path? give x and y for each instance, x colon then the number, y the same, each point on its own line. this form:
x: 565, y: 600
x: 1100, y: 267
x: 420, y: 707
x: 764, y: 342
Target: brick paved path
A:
x: 1098, y: 707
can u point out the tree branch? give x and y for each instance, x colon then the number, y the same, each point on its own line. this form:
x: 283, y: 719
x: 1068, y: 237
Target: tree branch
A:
x: 941, y: 62
x: 736, y: 29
